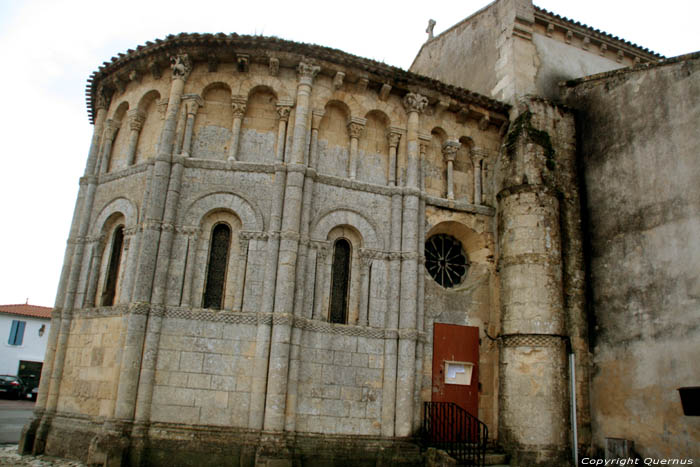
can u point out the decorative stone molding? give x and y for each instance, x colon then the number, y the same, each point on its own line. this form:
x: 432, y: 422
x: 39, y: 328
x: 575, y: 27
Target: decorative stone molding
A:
x: 135, y: 75
x: 484, y: 122
x: 550, y: 30
x: 366, y: 257
x: 391, y: 334
x: 459, y: 206
x: 282, y: 319
x: 190, y: 231
x: 414, y: 102
x: 449, y: 149
x: 139, y: 308
x: 252, y: 235
x: 362, y: 84
x: 408, y: 334
x: 531, y: 340
x: 136, y: 119
x: 307, y: 72
x: 181, y: 66
x: 239, y: 105
x: 216, y: 316
x: 586, y: 43
x: 338, y: 80
x: 162, y: 108
x: 111, y: 128
x: 103, y: 98
x: 325, y: 327
x: 569, y: 36
x: 131, y: 170
x: 289, y: 235
x: 603, y: 49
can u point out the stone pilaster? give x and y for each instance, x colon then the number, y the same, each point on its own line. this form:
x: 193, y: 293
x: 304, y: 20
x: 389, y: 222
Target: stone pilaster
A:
x: 322, y: 255
x: 405, y: 371
x: 365, y: 264
x: 136, y: 118
x: 316, y: 117
x: 449, y: 151
x: 356, y: 126
x: 286, y: 264
x: 192, y: 238
x: 239, y: 104
x: 478, y: 159
x: 533, y: 397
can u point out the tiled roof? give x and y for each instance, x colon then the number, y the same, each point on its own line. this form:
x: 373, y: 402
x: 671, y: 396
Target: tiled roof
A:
x: 24, y: 309
x: 598, y: 31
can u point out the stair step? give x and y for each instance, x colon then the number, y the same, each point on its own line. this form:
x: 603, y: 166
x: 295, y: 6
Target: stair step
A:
x: 496, y: 459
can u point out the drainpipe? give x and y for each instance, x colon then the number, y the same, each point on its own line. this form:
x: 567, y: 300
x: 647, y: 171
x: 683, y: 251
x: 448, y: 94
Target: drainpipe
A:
x: 572, y: 383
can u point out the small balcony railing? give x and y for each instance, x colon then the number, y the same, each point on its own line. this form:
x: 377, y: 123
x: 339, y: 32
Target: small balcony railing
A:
x: 449, y: 427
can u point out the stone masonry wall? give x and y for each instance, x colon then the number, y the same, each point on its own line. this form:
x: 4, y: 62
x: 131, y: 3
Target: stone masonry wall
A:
x: 639, y: 145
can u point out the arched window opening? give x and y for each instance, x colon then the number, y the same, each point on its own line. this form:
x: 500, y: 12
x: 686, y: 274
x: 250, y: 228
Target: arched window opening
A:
x: 340, y: 282
x: 216, y: 270
x: 115, y: 257
x: 446, y: 260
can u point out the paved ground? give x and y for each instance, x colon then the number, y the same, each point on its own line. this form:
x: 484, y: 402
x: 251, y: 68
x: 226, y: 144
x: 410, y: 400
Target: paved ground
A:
x: 13, y: 416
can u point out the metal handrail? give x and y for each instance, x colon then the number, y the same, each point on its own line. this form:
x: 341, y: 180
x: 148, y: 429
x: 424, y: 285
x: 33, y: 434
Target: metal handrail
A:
x: 449, y: 427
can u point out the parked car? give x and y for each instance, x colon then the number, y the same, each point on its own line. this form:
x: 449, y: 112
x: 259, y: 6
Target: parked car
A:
x: 34, y: 393
x: 12, y: 386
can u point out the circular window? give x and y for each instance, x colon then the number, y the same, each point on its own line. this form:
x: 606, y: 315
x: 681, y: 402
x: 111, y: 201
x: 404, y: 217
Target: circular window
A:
x: 445, y: 260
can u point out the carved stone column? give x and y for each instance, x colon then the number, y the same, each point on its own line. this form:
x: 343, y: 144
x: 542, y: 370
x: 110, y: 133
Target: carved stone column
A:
x: 239, y: 104
x: 316, y: 117
x: 356, y: 126
x: 322, y: 251
x: 366, y: 258
x: 414, y: 104
x: 192, y: 104
x: 139, y: 358
x: 136, y: 119
x: 394, y: 136
x: 240, y: 272
x: 477, y: 157
x: 110, y: 132
x: 449, y: 152
x: 275, y: 405
x: 284, y: 108
x: 192, y: 238
x: 94, y: 271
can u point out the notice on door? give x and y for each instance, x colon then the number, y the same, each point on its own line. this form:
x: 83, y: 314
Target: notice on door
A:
x: 458, y: 373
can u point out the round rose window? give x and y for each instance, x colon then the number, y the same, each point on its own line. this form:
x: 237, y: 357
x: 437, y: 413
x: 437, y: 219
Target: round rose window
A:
x: 446, y: 260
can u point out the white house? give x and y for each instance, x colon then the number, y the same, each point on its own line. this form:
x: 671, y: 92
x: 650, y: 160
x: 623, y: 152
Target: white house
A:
x: 24, y: 331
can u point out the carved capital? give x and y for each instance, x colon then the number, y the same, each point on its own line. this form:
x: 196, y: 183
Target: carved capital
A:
x: 423, y: 142
x: 394, y: 136
x: 316, y: 117
x: 284, y: 108
x: 181, y: 66
x: 111, y: 127
x: 192, y: 103
x: 239, y: 104
x: 136, y: 119
x: 307, y: 72
x: 414, y: 102
x: 356, y: 126
x: 104, y: 97
x: 449, y: 149
x: 484, y: 122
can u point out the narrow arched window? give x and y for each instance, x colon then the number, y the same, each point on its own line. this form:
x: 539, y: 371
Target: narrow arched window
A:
x: 340, y: 281
x: 115, y: 258
x: 216, y: 269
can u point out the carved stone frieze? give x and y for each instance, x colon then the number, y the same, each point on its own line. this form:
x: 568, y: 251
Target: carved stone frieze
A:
x: 393, y: 136
x: 356, y: 126
x: 136, y: 119
x: 284, y: 108
x: 239, y: 105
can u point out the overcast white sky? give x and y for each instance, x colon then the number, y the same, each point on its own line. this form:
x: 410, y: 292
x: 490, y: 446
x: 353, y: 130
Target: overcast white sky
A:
x: 50, y: 47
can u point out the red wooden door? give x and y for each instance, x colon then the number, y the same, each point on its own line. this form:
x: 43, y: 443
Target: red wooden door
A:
x: 454, y: 347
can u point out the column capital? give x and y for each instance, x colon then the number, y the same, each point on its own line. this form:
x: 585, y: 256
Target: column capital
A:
x: 478, y: 153
x: 103, y: 98
x: 449, y: 149
x: 284, y: 108
x: 316, y: 117
x: 136, y: 119
x: 307, y: 72
x: 111, y: 127
x: 192, y: 103
x: 423, y: 141
x: 394, y: 136
x: 414, y: 102
x: 356, y: 126
x: 239, y: 104
x: 181, y: 66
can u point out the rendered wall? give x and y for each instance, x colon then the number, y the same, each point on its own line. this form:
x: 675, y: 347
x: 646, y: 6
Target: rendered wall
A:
x: 638, y: 135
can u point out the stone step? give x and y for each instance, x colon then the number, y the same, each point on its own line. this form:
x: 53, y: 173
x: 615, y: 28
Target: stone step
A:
x: 496, y: 459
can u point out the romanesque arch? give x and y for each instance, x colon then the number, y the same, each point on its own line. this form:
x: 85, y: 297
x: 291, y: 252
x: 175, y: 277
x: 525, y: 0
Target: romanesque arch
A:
x: 251, y: 218
x: 347, y: 216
